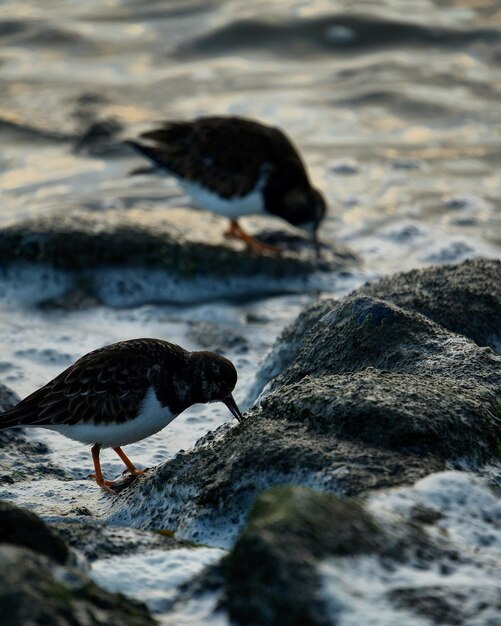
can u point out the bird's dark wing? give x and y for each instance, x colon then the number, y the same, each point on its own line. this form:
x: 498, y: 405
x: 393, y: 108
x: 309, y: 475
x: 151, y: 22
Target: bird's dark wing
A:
x: 106, y: 385
x: 227, y: 155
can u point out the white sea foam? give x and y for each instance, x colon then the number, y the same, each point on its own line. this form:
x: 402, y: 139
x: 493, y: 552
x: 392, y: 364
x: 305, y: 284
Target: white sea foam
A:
x: 175, y: 508
x: 366, y: 590
x: 470, y: 512
x: 155, y: 576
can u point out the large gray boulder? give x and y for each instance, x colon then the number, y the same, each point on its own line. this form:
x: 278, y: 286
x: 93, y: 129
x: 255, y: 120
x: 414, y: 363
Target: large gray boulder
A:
x: 360, y: 332
x: 464, y: 298
x: 376, y: 396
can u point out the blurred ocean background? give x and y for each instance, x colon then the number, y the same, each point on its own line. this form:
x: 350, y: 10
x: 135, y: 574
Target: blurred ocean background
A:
x: 395, y: 106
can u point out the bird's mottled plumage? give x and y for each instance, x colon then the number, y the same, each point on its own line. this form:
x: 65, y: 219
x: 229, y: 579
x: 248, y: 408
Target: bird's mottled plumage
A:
x: 124, y: 392
x: 232, y: 158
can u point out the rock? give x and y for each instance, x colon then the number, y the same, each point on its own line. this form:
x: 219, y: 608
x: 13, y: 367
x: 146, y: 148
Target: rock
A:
x: 286, y: 347
x: 270, y: 574
x: 414, y: 380
x: 227, y: 469
x: 23, y: 528
x: 23, y: 459
x: 97, y: 541
x: 376, y: 396
x: 309, y: 558
x: 360, y: 332
x: 412, y: 414
x: 34, y: 591
x: 163, y: 247
x: 464, y: 298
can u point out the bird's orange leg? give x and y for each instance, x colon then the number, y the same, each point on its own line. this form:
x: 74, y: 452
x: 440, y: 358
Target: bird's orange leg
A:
x: 104, y: 484
x: 128, y: 463
x: 237, y: 232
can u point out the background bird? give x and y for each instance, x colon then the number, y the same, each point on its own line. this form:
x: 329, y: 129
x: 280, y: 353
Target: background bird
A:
x: 123, y: 393
x: 234, y: 167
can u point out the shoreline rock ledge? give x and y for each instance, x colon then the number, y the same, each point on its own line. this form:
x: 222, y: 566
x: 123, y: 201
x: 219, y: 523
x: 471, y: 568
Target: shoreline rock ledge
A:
x: 372, y: 396
x: 110, y: 252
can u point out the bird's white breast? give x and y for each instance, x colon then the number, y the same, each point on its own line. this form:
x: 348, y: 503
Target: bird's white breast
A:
x: 250, y: 204
x: 151, y: 418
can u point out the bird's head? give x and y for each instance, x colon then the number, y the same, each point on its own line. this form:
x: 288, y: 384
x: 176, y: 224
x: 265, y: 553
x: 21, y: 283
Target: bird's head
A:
x: 216, y: 378
x: 305, y: 209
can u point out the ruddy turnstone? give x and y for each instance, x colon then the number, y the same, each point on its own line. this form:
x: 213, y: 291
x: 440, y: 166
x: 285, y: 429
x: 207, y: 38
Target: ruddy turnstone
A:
x: 123, y: 393
x: 234, y: 167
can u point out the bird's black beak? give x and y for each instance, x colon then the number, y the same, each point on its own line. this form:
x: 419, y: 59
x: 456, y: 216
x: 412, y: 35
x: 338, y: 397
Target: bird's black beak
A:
x: 232, y: 405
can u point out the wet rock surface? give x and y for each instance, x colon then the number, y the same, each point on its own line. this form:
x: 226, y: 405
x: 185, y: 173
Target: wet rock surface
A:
x: 270, y: 576
x: 311, y: 558
x: 412, y: 414
x: 34, y: 591
x: 374, y: 372
x: 464, y: 298
x: 167, y: 240
x: 363, y: 396
x: 23, y: 528
x: 23, y: 458
x: 198, y: 492
x: 375, y: 396
x: 97, y: 541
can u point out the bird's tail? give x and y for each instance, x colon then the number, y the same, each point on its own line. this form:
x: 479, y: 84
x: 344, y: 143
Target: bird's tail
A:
x: 157, y: 155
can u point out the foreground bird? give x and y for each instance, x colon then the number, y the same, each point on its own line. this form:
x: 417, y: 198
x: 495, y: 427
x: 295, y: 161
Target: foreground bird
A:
x: 234, y: 167
x: 123, y: 393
